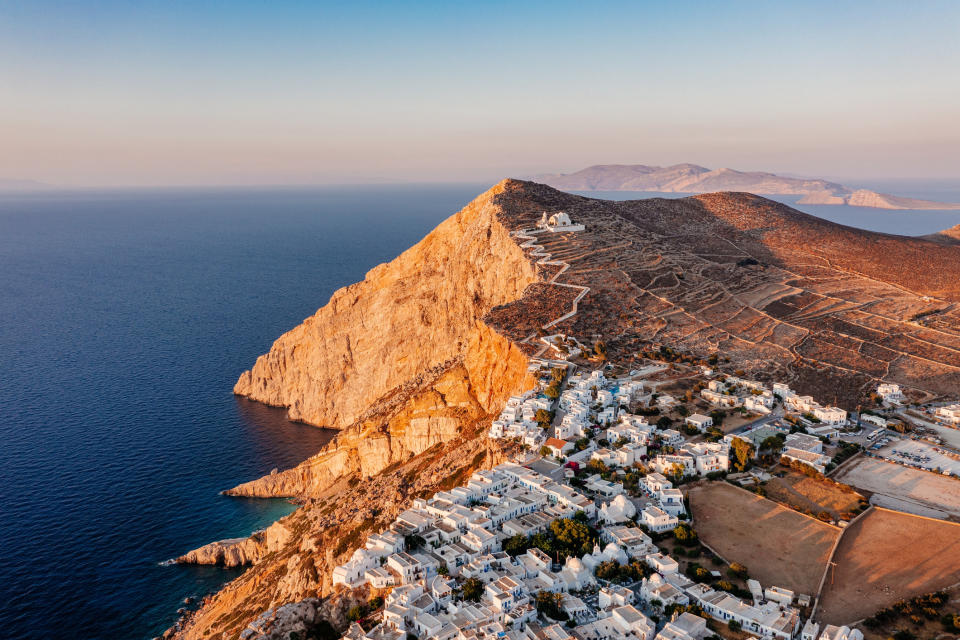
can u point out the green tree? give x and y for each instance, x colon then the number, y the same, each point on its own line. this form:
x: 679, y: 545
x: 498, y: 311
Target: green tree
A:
x: 515, y: 545
x: 356, y: 612
x: 742, y: 453
x: 543, y: 417
x: 684, y: 534
x: 375, y: 603
x: 734, y: 626
x: 582, y: 444
x: 550, y: 604
x: 738, y: 570
x: 413, y: 542
x: 552, y: 391
x: 472, y: 589
x: 676, y: 472
x: 543, y: 542
x: 771, y: 443
x: 572, y: 537
x: 546, y: 451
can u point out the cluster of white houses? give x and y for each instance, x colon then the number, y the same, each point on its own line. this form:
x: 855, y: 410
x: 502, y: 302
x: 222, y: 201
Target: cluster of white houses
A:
x: 829, y: 417
x: 430, y: 549
x: 733, y: 392
x: 463, y: 531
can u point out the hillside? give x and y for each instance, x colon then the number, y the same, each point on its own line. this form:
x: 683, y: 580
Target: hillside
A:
x: 785, y: 295
x: 412, y: 363
x: 947, y: 236
x: 691, y: 178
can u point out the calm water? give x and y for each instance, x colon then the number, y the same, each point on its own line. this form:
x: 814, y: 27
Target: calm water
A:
x: 903, y: 222
x: 125, y: 319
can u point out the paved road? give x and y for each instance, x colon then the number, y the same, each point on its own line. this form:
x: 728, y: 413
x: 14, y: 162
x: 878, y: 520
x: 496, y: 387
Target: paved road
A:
x: 767, y: 419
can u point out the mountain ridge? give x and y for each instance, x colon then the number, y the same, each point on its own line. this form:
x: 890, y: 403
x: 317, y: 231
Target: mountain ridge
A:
x: 692, y: 178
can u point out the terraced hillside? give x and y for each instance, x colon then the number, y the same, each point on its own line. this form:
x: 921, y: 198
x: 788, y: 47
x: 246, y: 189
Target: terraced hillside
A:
x: 785, y: 295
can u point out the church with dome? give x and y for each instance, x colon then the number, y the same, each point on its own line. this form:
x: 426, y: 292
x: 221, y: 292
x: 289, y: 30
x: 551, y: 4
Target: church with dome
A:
x: 558, y: 222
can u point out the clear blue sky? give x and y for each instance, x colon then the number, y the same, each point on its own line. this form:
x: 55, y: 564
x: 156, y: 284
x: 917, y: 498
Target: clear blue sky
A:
x: 272, y: 92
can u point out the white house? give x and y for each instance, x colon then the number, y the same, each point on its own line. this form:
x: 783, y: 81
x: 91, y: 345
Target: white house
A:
x: 830, y: 415
x: 832, y: 632
x: 559, y: 448
x: 671, y: 501
x: 351, y: 573
x: 686, y: 626
x: 662, y: 564
x: 949, y: 414
x: 699, y: 421
x: 653, y: 483
x: 890, y: 392
x: 657, y: 588
x: 657, y: 520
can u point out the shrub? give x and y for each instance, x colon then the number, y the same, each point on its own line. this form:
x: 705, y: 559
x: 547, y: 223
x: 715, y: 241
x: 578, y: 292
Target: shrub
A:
x: 737, y: 570
x: 356, y: 612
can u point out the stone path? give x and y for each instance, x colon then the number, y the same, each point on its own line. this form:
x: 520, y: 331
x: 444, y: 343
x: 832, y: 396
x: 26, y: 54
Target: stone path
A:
x: 544, y: 258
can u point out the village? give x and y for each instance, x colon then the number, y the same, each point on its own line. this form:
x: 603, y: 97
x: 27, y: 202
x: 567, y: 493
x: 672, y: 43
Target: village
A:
x: 589, y: 532
x: 583, y: 535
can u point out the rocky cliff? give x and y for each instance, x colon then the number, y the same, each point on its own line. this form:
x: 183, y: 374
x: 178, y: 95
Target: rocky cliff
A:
x: 406, y: 317
x: 406, y: 365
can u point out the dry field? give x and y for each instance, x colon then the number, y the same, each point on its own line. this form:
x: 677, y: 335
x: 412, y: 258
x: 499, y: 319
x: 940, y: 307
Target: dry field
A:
x: 778, y: 545
x: 812, y: 494
x: 887, y: 556
x: 898, y: 487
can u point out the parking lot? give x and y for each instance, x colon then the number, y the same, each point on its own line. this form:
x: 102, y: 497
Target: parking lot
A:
x: 919, y: 454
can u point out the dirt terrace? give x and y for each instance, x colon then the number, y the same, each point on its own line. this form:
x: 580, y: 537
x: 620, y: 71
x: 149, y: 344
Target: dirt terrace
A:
x: 886, y: 556
x: 778, y: 545
x: 787, y: 296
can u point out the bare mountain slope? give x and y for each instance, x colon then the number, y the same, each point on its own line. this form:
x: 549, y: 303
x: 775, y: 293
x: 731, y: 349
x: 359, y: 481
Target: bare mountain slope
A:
x: 828, y: 307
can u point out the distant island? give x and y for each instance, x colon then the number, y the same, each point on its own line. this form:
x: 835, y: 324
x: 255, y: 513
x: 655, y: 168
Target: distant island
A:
x: 691, y: 178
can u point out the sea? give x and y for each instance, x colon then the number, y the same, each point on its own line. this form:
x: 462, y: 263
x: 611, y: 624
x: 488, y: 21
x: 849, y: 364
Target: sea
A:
x: 126, y: 316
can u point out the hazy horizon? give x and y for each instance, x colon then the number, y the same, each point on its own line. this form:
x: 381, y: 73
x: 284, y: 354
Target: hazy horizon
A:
x: 248, y: 94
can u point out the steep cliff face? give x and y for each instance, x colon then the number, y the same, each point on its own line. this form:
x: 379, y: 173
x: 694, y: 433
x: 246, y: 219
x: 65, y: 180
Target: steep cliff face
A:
x: 406, y: 317
x: 435, y: 408
x: 406, y: 366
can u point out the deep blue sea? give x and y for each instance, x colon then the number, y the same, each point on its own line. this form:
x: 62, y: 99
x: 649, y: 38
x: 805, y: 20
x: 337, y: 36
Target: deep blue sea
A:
x: 125, y: 319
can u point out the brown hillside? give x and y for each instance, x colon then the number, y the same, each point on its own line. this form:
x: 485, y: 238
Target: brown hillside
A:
x: 785, y: 294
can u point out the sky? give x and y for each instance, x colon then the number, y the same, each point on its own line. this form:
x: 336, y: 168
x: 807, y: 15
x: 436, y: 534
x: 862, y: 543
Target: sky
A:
x: 252, y: 93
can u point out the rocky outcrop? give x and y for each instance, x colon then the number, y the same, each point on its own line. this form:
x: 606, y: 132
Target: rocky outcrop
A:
x: 324, y: 532
x: 867, y: 198
x: 236, y: 552
x: 949, y: 236
x: 409, y: 420
x: 406, y: 317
